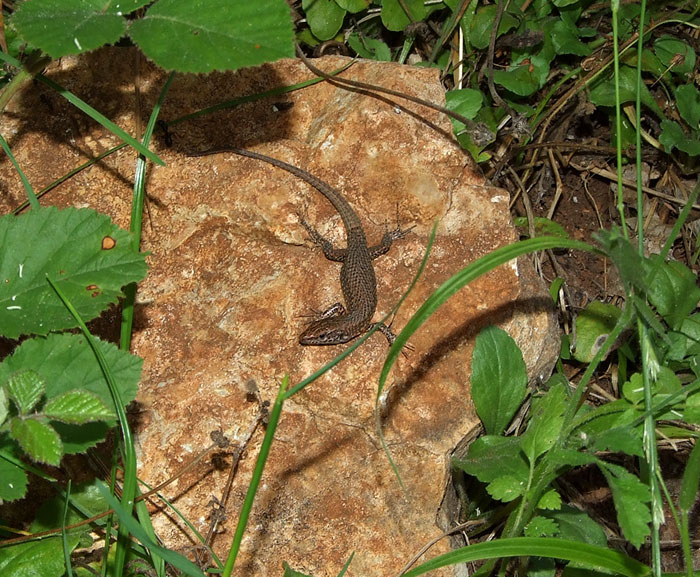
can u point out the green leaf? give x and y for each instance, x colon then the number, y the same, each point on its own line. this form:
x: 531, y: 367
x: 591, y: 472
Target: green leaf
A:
x: 672, y: 136
x: 4, y: 406
x: 577, y: 526
x: 522, y: 79
x: 465, y: 101
x: 324, y: 17
x: 62, y: 27
x: 627, y: 440
x: 550, y: 500
x: 565, y: 39
x: 691, y: 414
x: 85, y: 501
x: 506, y: 488
x: 84, y: 253
x: 688, y: 102
x: 629, y: 264
x: 26, y: 387
x: 497, y: 461
x: 354, y: 6
x: 483, y: 22
x: 541, y: 527
x: 499, y: 379
x: 13, y: 479
x: 603, y: 92
x: 676, y: 54
x: 66, y: 362
x: 545, y: 423
x: 691, y: 479
x: 43, y: 557
x: 570, y: 458
x: 78, y: 407
x: 394, y: 16
x: 673, y: 291
x: 685, y: 342
x: 543, y: 226
x: 205, y: 35
x: 38, y: 439
x: 593, y: 324
x: 370, y: 48
x: 630, y: 496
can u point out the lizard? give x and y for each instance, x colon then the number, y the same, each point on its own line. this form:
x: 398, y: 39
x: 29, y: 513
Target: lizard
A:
x: 339, y: 324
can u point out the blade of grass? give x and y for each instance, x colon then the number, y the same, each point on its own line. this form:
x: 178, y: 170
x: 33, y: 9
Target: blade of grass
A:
x: 129, y: 484
x: 70, y: 174
x: 136, y: 223
x: 459, y: 280
x: 101, y: 119
x: 252, y: 97
x: 601, y: 558
x: 64, y: 534
x: 130, y: 524
x: 33, y: 201
x: 255, y: 479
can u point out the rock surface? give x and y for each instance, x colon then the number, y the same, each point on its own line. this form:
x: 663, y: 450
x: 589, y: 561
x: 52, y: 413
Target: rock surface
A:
x: 232, y: 273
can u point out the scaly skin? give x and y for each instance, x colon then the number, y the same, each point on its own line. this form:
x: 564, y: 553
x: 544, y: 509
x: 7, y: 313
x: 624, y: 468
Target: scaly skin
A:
x: 339, y: 324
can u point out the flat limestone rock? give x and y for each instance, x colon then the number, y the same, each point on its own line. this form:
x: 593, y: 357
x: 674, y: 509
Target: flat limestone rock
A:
x: 233, y: 274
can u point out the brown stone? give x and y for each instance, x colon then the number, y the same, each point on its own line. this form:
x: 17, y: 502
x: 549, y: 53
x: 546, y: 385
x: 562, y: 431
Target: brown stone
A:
x: 232, y: 274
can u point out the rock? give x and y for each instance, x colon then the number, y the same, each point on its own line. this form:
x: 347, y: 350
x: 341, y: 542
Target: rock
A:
x: 232, y: 275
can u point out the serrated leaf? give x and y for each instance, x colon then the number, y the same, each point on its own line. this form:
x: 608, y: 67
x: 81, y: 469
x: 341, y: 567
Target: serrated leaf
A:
x: 78, y: 407
x: 570, y: 458
x: 67, y: 363
x: 13, y: 479
x: 627, y: 440
x: 577, y: 526
x: 545, y: 423
x: 62, y: 27
x: 593, y: 325
x: 86, y: 255
x: 506, y: 488
x: 26, y: 387
x: 541, y: 527
x: 550, y: 500
x: 490, y: 457
x: 630, y: 496
x: 499, y: 379
x: 38, y: 439
x: 324, y: 17
x: 204, y: 35
x: 394, y: 17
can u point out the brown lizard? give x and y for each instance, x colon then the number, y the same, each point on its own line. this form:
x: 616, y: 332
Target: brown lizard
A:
x: 339, y: 324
